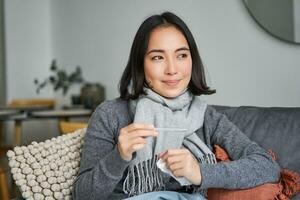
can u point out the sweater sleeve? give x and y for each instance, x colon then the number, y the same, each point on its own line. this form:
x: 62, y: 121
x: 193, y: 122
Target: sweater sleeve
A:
x: 251, y: 165
x: 101, y: 166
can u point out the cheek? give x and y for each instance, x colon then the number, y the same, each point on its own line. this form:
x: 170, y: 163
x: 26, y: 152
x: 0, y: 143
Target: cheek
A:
x: 152, y: 71
x: 187, y: 70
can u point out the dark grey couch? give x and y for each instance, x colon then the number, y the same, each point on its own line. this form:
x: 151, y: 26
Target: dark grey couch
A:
x: 273, y: 128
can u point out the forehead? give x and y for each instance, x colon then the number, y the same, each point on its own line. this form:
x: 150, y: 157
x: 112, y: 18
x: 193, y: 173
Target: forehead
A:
x: 167, y: 38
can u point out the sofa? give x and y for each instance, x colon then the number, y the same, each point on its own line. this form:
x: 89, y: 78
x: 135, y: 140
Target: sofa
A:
x: 274, y: 128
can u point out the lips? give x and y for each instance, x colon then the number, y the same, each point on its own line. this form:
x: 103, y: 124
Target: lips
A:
x: 171, y: 82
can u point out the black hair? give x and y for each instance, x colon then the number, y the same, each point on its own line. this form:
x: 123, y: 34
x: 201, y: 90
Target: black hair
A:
x: 134, y: 71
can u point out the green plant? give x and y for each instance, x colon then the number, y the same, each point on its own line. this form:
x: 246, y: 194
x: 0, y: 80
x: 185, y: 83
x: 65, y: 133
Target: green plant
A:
x: 60, y: 79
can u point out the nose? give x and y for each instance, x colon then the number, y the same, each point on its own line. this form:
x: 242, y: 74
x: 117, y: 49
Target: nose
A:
x: 171, y: 68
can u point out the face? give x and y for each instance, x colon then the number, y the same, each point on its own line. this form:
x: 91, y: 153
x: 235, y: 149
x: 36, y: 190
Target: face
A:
x: 168, y: 62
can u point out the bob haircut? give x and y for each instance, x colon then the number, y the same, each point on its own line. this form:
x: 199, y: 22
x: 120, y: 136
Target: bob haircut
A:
x: 134, y: 75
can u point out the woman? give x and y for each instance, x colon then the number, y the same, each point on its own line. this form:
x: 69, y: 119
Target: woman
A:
x: 156, y: 140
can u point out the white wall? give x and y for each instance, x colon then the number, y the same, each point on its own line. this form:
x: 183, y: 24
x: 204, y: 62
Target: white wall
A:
x: 2, y: 57
x: 28, y: 56
x: 296, y: 4
x: 28, y: 46
x: 246, y: 65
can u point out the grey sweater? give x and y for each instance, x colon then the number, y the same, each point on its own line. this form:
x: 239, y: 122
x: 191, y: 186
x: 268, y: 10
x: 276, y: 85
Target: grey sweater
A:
x: 102, y: 170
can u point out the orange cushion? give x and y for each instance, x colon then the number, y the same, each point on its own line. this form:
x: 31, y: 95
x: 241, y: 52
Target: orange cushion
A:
x: 262, y: 192
x: 288, y: 185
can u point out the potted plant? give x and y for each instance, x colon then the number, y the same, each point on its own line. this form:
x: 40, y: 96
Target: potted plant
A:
x: 91, y: 94
x: 60, y: 79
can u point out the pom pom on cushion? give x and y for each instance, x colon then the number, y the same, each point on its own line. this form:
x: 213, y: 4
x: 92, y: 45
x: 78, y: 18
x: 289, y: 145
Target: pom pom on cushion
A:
x: 47, y: 170
x: 287, y: 187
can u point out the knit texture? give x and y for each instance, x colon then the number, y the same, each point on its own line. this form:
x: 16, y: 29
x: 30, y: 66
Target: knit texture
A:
x: 102, y: 170
x: 47, y: 170
x: 185, y: 113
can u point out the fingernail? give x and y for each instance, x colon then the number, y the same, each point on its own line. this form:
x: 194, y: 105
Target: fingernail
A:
x: 161, y: 154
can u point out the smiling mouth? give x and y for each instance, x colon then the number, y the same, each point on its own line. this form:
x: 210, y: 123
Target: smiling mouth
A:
x: 171, y: 82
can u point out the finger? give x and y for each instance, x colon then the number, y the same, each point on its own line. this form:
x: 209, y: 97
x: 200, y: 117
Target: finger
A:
x: 174, y: 159
x: 131, y: 143
x: 162, y: 154
x: 136, y: 147
x: 137, y: 140
x: 172, y: 152
x: 178, y: 172
x: 176, y: 166
x: 143, y: 133
x: 137, y: 126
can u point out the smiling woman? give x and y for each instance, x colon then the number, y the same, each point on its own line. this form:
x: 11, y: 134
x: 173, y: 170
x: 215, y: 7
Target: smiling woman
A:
x: 155, y: 141
x: 168, y: 62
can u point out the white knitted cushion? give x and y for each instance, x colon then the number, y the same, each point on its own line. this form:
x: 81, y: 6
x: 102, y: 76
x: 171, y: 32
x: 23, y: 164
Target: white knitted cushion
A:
x: 47, y: 170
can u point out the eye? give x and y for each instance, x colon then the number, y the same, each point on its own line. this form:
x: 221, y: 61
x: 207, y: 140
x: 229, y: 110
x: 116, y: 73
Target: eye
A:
x: 182, y: 56
x: 157, y: 58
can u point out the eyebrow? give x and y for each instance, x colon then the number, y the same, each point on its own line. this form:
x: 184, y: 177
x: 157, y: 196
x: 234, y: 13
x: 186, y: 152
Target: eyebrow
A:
x: 162, y: 51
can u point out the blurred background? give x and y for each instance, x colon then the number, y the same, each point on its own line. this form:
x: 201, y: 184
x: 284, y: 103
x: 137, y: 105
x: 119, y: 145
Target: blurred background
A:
x: 251, y: 54
x: 244, y: 62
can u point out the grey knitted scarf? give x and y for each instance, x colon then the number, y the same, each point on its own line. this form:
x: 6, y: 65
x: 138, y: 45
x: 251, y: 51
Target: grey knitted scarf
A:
x: 185, y: 115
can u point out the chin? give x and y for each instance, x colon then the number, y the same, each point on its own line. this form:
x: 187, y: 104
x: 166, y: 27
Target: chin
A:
x: 171, y: 94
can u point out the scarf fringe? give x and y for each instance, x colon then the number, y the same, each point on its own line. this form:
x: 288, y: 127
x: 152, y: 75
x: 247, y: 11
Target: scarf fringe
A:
x: 208, y: 159
x: 143, y: 177
x: 146, y: 177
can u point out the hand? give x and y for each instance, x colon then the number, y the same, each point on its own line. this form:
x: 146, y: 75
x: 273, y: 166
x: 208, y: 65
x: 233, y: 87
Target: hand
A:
x: 133, y: 138
x: 182, y: 163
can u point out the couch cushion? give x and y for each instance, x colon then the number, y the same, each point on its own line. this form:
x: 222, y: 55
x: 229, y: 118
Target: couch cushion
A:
x: 287, y: 187
x: 47, y: 170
